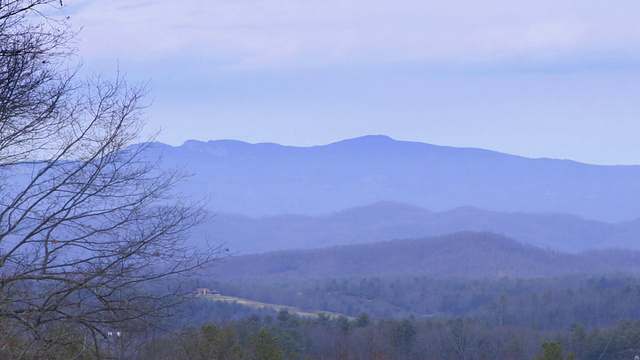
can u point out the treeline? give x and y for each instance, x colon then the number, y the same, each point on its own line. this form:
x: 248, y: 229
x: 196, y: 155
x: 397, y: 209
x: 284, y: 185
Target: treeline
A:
x: 287, y: 336
x: 546, y: 303
x: 384, y: 318
x: 207, y: 329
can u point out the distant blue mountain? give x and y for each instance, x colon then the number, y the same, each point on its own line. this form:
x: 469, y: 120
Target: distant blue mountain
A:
x: 386, y: 221
x: 269, y: 179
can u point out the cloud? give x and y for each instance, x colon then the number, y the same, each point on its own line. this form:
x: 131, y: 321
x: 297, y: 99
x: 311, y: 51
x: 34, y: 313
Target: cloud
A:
x: 281, y: 33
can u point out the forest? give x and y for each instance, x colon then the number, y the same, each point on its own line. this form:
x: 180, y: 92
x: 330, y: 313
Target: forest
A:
x: 403, y: 311
x: 572, y: 317
x: 220, y: 330
x: 545, y: 303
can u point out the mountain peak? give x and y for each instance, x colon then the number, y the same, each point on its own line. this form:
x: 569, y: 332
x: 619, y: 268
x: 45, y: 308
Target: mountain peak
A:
x: 371, y: 139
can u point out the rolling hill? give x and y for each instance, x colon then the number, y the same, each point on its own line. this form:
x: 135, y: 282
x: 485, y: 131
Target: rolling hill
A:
x: 464, y: 254
x: 387, y: 221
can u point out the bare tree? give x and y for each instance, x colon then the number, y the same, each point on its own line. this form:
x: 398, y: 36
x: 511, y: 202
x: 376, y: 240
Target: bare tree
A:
x: 86, y: 223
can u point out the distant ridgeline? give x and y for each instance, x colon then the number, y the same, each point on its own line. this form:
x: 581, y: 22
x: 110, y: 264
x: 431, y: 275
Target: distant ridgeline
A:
x: 386, y: 221
x: 270, y: 179
x: 461, y: 255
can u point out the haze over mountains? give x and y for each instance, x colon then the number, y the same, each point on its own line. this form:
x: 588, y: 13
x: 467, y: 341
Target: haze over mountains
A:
x: 270, y: 179
x: 269, y: 197
x: 387, y: 221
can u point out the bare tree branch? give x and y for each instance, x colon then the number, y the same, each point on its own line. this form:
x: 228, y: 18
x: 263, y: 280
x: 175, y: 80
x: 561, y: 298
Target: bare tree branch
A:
x: 87, y: 224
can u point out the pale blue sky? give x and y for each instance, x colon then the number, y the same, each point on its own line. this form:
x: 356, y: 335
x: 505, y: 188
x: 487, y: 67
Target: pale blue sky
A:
x: 541, y: 78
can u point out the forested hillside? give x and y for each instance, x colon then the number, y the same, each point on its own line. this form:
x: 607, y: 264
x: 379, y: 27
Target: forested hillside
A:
x: 464, y: 254
x: 483, y: 276
x: 413, y: 318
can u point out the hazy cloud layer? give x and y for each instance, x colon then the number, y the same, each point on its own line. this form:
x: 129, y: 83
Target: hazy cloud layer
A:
x: 542, y: 78
x: 264, y: 33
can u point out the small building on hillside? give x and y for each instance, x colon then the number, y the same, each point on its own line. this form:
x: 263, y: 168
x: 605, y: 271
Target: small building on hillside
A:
x: 206, y: 291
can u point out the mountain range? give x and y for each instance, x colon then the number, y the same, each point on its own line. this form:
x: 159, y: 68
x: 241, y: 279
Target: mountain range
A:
x: 388, y: 220
x: 271, y: 179
x: 268, y: 197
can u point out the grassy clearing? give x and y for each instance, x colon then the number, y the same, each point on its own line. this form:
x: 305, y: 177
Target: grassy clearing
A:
x: 262, y: 305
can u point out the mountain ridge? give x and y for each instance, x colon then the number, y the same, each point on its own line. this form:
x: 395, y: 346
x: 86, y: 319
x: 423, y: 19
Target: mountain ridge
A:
x: 269, y: 179
x: 389, y: 220
x: 462, y: 254
x: 371, y: 140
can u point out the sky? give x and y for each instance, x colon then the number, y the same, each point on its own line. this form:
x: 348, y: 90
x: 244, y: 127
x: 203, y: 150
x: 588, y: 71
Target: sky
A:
x: 543, y: 78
